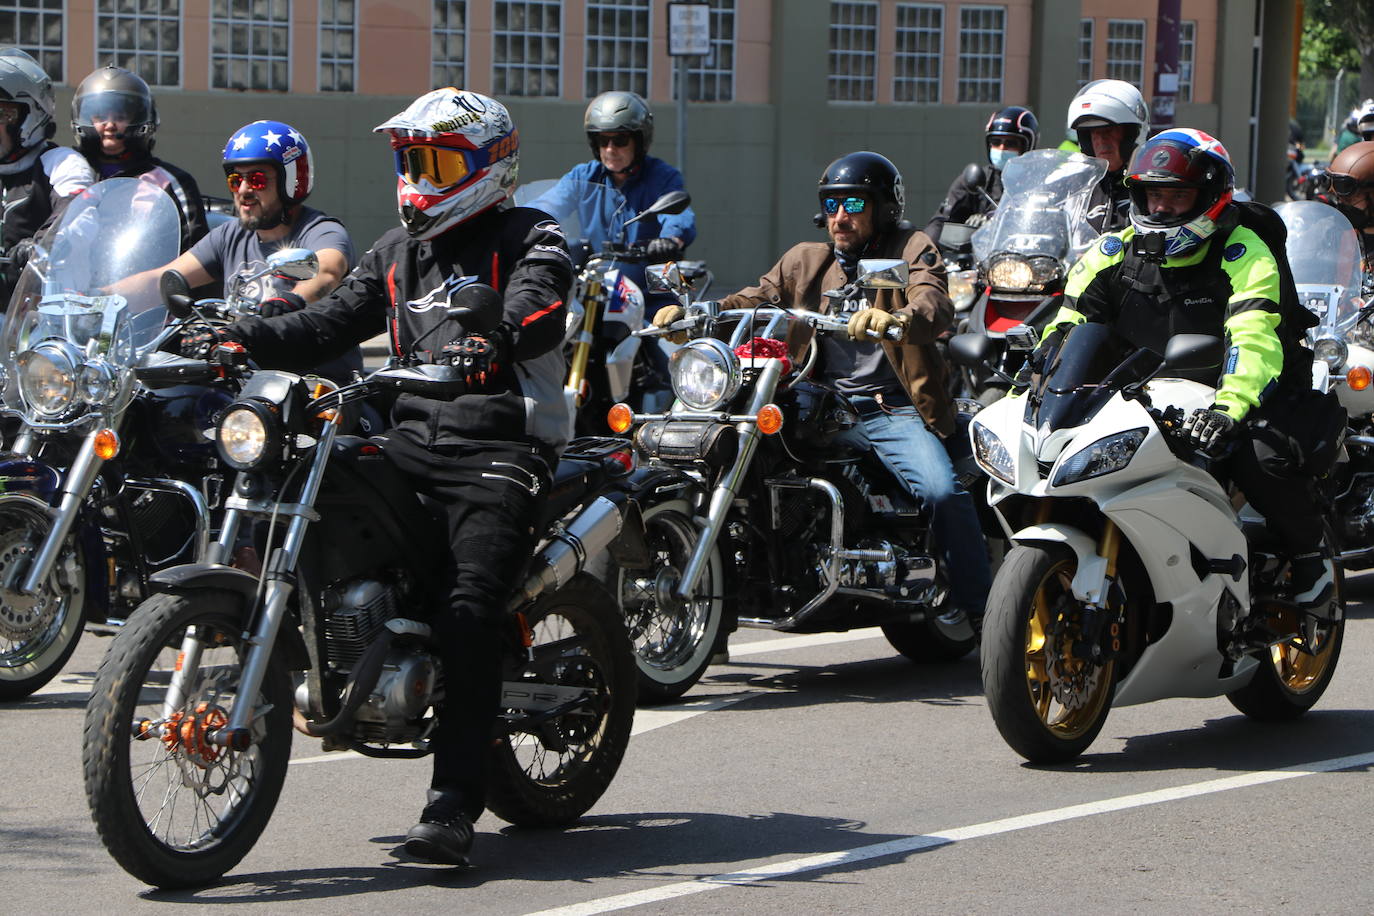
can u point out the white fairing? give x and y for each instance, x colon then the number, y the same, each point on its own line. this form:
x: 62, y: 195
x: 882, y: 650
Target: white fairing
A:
x: 624, y: 305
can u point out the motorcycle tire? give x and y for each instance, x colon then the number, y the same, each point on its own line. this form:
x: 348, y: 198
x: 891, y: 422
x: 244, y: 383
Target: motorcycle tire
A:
x: 36, y: 642
x: 1028, y: 663
x: 552, y: 774
x: 133, y: 780
x: 673, y: 641
x: 930, y: 642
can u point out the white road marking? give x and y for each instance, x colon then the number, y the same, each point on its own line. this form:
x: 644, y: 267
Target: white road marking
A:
x: 809, y: 640
x: 956, y: 835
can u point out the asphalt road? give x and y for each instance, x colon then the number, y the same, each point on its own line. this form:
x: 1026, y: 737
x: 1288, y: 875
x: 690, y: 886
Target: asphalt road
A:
x: 811, y: 774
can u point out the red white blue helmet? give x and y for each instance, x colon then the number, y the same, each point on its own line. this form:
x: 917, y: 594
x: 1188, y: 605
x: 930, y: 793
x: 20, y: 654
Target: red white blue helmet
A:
x: 279, y: 145
x: 457, y: 155
x: 1181, y: 158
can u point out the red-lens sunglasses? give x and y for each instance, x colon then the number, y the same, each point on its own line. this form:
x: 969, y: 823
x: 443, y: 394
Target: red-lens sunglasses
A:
x: 256, y: 181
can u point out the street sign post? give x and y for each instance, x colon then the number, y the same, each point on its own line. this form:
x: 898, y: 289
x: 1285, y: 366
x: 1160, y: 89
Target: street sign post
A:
x: 689, y: 35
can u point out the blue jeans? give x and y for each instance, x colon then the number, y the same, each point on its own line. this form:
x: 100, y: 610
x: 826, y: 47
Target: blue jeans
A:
x: 917, y: 457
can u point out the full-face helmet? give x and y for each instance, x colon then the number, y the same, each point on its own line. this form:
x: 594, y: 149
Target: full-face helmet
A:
x: 870, y: 174
x: 1102, y: 103
x: 114, y: 91
x: 275, y: 144
x: 23, y: 82
x: 1181, y: 158
x: 612, y: 112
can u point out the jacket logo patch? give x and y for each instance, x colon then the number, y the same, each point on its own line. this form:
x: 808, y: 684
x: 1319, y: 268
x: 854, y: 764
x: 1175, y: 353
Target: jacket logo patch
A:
x: 1205, y: 300
x: 1234, y: 252
x: 439, y: 296
x: 1111, y: 245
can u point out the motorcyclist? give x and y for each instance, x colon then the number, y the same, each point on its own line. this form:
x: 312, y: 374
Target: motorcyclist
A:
x: 115, y: 122
x: 1109, y: 117
x: 1364, y: 125
x: 485, y: 456
x: 1186, y: 264
x: 975, y: 192
x: 1349, y: 182
x: 898, y: 387
x: 1350, y: 127
x: 36, y: 173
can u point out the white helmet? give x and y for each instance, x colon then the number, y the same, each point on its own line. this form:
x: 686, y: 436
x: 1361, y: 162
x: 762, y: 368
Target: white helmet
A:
x: 457, y: 155
x: 22, y: 80
x: 1104, y: 102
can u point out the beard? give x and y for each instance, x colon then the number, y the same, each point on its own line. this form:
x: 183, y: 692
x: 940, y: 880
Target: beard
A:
x: 266, y: 218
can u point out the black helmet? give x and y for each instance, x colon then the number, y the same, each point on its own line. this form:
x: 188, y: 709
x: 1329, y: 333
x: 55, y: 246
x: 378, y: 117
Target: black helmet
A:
x: 615, y: 111
x: 114, y: 89
x: 1017, y: 123
x: 871, y: 174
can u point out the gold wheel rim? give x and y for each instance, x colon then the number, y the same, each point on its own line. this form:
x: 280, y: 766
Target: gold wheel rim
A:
x: 1299, y: 670
x: 1067, y: 693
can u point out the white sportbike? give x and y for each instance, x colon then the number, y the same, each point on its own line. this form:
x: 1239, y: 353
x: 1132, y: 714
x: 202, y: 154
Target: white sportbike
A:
x: 1133, y: 576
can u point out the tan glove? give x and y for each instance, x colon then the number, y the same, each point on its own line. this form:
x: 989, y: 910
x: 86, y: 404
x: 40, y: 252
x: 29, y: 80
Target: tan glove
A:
x: 879, y: 322
x: 666, y: 316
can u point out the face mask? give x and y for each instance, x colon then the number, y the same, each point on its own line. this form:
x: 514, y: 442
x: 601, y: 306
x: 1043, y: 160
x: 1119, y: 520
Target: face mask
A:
x: 1358, y: 218
x: 1000, y: 157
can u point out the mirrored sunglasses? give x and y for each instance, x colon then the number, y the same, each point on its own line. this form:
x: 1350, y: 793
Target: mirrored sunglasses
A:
x: 832, y: 205
x: 256, y: 181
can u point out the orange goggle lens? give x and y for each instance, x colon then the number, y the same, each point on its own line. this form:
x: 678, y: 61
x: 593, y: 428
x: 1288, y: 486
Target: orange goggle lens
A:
x: 442, y: 167
x: 256, y: 181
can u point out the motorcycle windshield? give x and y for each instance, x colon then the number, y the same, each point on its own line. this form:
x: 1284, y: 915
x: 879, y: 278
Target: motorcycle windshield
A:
x: 587, y: 211
x: 1072, y: 391
x: 1044, y: 198
x: 1324, y: 252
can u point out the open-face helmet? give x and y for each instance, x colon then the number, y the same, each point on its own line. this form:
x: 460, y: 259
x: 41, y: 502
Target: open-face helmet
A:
x: 275, y: 144
x: 616, y: 111
x: 869, y: 174
x: 24, y: 82
x: 118, y: 92
x: 1181, y: 158
x: 1349, y: 180
x: 1102, y: 103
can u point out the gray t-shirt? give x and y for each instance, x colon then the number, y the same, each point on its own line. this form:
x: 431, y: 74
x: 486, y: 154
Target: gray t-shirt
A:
x: 230, y: 248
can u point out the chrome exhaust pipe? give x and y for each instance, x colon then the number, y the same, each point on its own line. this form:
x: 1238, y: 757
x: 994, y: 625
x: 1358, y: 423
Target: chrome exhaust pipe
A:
x: 566, y: 554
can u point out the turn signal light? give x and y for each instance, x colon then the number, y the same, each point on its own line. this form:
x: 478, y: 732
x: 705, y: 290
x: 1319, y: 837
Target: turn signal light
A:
x: 1358, y: 378
x: 620, y: 418
x: 106, y: 444
x: 770, y: 419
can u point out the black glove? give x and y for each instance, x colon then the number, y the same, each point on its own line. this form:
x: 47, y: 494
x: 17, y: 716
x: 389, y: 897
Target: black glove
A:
x: 19, y: 254
x: 480, y: 356
x: 664, y: 249
x: 197, y: 344
x: 1210, y: 427
x: 281, y: 304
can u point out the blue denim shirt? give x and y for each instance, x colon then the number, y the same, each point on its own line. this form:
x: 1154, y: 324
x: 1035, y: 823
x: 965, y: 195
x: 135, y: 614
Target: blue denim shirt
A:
x: 604, y: 218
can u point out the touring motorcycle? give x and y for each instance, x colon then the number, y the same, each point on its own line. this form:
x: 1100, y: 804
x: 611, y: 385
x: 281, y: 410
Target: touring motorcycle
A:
x: 769, y: 521
x: 188, y: 731
x: 1132, y: 577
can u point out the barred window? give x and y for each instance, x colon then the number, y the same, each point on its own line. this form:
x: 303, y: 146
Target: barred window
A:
x: 526, y: 47
x: 1187, y: 42
x: 712, y: 78
x: 920, y: 50
x: 338, y: 45
x: 853, y: 50
x: 145, y: 39
x: 448, y: 44
x: 35, y: 26
x: 250, y: 44
x: 981, y: 48
x: 617, y: 46
x: 1085, y: 52
x: 1126, y: 50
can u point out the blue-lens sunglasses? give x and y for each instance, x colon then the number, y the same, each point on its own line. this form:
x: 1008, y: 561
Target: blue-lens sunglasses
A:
x: 851, y: 205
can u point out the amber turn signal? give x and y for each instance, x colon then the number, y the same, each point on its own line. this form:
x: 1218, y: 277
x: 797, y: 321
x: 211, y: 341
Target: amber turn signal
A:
x: 770, y: 419
x: 620, y: 418
x: 1358, y: 378
x: 106, y: 444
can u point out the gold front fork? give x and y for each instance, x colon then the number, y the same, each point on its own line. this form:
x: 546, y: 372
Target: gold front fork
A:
x: 582, y: 348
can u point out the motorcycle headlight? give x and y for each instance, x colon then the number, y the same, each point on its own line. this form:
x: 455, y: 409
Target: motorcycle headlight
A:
x: 48, y: 379
x: 991, y: 455
x: 1108, y: 454
x: 1332, y: 351
x: 962, y: 288
x: 706, y: 374
x: 99, y: 383
x: 248, y: 435
x: 1016, y: 273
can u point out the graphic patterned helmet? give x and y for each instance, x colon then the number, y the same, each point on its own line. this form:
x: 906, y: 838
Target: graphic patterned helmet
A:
x: 1181, y: 158
x: 1105, y: 102
x: 457, y: 155
x: 616, y: 111
x: 1364, y: 125
x: 119, y: 92
x: 871, y: 174
x: 1016, y: 123
x: 23, y: 81
x: 279, y: 145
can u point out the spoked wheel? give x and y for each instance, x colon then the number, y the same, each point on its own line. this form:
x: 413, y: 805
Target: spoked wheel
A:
x: 1048, y: 703
x: 550, y: 768
x: 173, y: 807
x: 37, y: 632
x: 673, y: 639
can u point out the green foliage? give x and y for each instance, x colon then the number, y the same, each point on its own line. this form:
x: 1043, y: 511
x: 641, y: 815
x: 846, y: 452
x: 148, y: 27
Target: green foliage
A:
x: 1325, y: 48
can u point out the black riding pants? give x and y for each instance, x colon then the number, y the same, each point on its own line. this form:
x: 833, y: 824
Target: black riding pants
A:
x: 1265, y: 464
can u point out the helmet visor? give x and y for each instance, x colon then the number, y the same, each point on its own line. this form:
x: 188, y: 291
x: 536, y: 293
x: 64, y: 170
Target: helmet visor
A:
x: 441, y: 166
x: 112, y: 106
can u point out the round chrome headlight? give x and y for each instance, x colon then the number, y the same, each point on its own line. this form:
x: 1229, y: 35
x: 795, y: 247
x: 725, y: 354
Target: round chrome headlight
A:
x: 706, y: 374
x: 1011, y: 272
x: 247, y: 435
x: 99, y: 383
x: 1332, y: 351
x: 48, y: 379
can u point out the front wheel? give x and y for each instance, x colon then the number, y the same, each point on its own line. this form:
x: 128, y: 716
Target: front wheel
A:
x: 549, y: 769
x: 1048, y: 703
x: 172, y: 807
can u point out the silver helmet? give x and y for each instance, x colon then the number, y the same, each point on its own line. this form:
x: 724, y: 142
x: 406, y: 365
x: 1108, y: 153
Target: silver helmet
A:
x: 1104, y: 102
x: 23, y: 81
x: 616, y: 111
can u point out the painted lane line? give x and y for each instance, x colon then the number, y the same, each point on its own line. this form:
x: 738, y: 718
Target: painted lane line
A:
x: 807, y: 641
x: 956, y: 835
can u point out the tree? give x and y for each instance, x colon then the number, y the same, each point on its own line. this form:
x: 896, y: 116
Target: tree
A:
x: 1352, y: 20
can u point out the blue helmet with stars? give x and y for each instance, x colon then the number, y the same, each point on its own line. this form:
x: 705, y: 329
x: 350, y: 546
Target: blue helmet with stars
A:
x: 278, y: 144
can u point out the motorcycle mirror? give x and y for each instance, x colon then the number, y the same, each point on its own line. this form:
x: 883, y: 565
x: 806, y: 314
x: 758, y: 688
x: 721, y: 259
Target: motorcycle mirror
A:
x: 1193, y: 352
x: 175, y: 292
x: 672, y: 202
x: 294, y: 263
x: 970, y: 350
x: 975, y: 175
x: 883, y: 273
x: 477, y: 307
x: 665, y: 278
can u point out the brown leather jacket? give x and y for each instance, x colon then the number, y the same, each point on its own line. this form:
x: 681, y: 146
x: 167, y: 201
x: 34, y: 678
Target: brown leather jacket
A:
x: 808, y: 269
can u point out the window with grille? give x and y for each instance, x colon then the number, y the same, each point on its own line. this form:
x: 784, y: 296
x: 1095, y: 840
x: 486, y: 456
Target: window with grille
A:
x: 250, y: 44
x: 853, y: 50
x: 617, y: 46
x: 712, y: 78
x: 448, y: 47
x: 526, y: 47
x: 1085, y: 52
x: 919, y: 53
x: 34, y: 26
x: 143, y: 38
x: 981, y: 48
x: 1126, y: 50
x: 338, y: 45
x: 1187, y: 41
